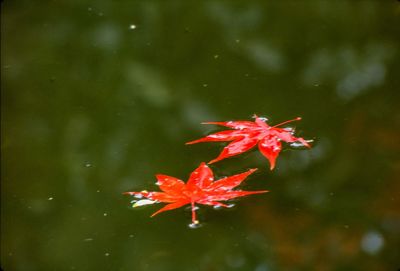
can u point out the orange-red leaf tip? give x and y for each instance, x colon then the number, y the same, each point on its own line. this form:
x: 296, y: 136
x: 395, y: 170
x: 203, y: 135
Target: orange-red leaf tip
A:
x: 191, y: 142
x: 213, y: 161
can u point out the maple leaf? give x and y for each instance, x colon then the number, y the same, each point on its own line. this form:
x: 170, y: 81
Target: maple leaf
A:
x: 200, y: 188
x: 248, y: 134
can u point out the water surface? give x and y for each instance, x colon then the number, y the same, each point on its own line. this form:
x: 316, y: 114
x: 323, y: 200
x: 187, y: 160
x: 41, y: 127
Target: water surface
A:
x: 98, y: 97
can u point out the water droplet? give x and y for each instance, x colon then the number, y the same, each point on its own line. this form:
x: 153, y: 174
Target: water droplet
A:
x: 143, y: 202
x: 196, y: 224
x: 297, y: 145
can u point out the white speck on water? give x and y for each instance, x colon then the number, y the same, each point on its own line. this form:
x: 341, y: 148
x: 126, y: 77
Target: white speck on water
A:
x: 88, y: 165
x: 105, y: 214
x: 205, y: 85
x: 216, y: 56
x: 132, y: 26
x: 131, y: 236
x: 51, y: 198
x: 106, y: 254
x: 196, y: 224
x: 98, y: 191
x: 88, y: 239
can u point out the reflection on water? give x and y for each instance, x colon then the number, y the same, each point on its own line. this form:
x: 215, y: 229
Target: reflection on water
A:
x: 354, y: 71
x: 98, y: 98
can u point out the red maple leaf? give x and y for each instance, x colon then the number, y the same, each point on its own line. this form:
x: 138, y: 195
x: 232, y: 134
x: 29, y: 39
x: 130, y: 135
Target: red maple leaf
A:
x: 200, y: 188
x: 248, y: 134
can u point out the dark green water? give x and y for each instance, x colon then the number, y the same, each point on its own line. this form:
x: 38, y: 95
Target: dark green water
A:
x: 98, y: 97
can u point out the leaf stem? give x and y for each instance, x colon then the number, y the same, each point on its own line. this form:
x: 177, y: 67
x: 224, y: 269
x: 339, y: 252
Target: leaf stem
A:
x: 194, y: 221
x: 282, y: 123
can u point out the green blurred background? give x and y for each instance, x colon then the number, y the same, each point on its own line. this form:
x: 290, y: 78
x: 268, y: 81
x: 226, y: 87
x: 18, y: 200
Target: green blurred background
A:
x: 98, y: 96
